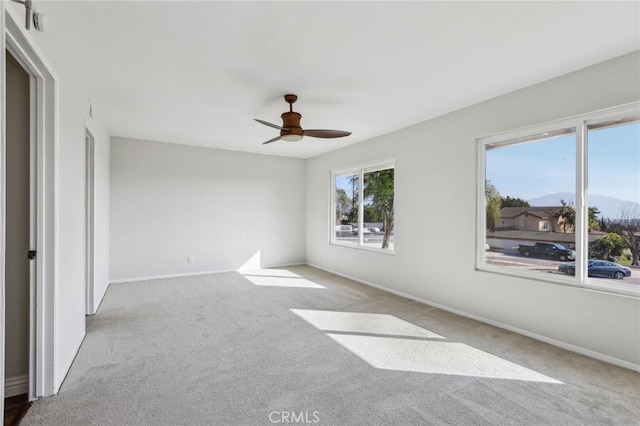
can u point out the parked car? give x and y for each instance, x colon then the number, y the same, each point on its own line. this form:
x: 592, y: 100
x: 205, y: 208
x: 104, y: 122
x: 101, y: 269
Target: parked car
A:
x: 365, y: 230
x: 599, y: 268
x: 556, y: 251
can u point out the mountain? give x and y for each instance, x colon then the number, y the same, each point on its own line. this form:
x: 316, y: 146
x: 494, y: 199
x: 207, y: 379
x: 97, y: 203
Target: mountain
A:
x: 609, y: 207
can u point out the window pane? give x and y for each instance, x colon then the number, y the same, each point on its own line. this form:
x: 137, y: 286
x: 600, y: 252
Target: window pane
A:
x: 529, y: 203
x: 378, y: 209
x: 614, y: 201
x: 346, y: 208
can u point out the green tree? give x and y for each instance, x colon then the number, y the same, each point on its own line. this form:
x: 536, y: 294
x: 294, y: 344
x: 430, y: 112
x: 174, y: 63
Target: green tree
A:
x: 513, y: 202
x: 343, y: 204
x: 594, y: 224
x: 371, y: 214
x: 627, y: 226
x: 607, y: 247
x: 355, y: 187
x: 493, y: 202
x: 603, y: 225
x: 568, y: 214
x: 379, y: 192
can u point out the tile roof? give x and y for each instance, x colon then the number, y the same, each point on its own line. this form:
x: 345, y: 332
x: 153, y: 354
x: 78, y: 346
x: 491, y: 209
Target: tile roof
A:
x: 541, y: 212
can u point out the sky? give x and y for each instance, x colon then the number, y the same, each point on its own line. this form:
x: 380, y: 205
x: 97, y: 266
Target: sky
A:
x: 344, y: 183
x: 535, y: 169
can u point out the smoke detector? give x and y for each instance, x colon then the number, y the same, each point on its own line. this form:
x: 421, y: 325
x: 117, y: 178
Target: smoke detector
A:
x: 40, y: 21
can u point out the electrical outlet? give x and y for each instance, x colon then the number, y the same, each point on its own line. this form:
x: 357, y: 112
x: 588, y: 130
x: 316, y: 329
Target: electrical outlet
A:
x: 190, y: 260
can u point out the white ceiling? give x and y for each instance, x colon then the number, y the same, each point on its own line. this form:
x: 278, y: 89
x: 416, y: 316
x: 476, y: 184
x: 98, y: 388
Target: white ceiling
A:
x: 198, y: 72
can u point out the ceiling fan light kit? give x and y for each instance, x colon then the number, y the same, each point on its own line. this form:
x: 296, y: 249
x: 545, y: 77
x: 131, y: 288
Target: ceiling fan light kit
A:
x: 291, y: 131
x: 291, y: 137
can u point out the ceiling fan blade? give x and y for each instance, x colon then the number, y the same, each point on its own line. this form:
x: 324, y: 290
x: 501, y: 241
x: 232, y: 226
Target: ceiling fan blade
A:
x: 269, y: 124
x: 272, y: 140
x: 317, y: 133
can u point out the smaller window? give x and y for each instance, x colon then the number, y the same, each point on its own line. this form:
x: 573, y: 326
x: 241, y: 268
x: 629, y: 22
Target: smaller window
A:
x: 362, y: 211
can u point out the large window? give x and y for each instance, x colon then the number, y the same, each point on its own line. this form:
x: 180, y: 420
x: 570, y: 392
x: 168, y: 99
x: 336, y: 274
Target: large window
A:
x: 362, y: 211
x: 561, y: 201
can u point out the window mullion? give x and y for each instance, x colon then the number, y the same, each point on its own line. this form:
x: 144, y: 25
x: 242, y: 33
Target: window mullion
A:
x: 361, y: 209
x: 581, y: 209
x: 481, y: 205
x: 332, y: 210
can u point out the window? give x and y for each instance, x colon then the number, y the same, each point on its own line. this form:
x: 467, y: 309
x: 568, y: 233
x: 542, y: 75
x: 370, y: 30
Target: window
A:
x: 362, y: 212
x: 613, y: 177
x: 558, y: 199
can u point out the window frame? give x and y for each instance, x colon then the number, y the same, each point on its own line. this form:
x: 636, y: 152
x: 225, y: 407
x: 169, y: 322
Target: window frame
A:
x: 581, y: 124
x: 360, y: 170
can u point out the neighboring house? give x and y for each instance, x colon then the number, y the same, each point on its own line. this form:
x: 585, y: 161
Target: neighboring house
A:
x: 538, y: 219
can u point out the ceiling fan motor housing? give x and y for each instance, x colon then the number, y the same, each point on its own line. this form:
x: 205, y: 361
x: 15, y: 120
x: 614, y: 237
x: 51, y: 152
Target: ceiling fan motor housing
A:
x: 291, y: 122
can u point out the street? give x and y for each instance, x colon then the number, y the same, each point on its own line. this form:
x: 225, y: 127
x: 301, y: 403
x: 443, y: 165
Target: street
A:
x: 518, y: 261
x: 370, y: 240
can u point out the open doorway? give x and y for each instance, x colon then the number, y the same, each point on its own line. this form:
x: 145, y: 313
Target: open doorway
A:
x: 38, y: 179
x: 19, y: 271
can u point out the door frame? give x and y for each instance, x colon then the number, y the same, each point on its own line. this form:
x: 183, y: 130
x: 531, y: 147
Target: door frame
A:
x: 2, y: 205
x: 90, y: 218
x: 44, y: 137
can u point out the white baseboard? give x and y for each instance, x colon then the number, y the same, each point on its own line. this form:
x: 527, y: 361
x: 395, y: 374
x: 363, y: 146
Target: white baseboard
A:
x: 572, y: 348
x: 283, y: 265
x: 14, y: 386
x: 159, y: 277
x: 193, y: 274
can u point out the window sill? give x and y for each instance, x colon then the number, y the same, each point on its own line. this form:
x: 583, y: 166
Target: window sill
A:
x: 615, y: 287
x: 364, y: 248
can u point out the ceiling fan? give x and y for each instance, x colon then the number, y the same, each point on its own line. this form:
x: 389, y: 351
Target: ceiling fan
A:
x: 291, y: 130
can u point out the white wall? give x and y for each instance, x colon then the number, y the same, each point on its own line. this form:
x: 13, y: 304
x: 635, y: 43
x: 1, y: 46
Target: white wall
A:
x: 435, y: 217
x: 69, y: 292
x: 102, y: 208
x: 169, y: 202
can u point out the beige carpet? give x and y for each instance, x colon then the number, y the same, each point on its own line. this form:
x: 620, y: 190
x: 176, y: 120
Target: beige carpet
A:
x: 302, y: 346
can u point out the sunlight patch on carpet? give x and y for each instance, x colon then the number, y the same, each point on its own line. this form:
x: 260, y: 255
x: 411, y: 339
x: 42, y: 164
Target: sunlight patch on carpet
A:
x: 356, y: 322
x: 277, y: 278
x: 435, y: 357
x: 390, y: 343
